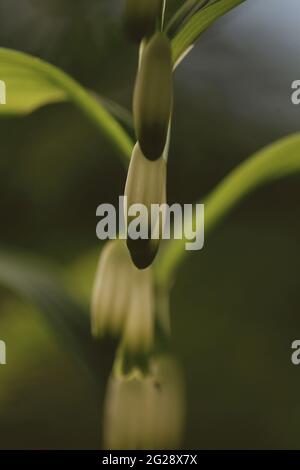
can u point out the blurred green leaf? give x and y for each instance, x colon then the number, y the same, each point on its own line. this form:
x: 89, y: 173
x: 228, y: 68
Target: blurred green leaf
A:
x: 32, y: 83
x: 70, y: 320
x: 28, y: 86
x: 277, y: 160
x: 198, y: 23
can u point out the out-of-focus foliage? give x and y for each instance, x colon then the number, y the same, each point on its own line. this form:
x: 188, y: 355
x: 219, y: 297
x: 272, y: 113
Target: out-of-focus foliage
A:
x: 235, y: 309
x: 26, y: 278
x: 38, y: 386
x: 278, y: 160
x: 27, y: 84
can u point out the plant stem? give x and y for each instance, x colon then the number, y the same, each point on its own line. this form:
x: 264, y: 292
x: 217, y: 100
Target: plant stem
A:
x: 275, y: 161
x: 163, y: 14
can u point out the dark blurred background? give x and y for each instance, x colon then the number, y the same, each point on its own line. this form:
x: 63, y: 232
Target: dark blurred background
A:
x: 235, y: 309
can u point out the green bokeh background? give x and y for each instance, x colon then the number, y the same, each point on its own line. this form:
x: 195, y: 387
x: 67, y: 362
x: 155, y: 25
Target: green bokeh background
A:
x: 235, y: 308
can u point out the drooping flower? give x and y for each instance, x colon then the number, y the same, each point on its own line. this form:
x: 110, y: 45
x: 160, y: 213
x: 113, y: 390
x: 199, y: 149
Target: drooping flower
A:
x: 153, y: 96
x: 145, y: 411
x: 122, y: 300
x: 146, y: 186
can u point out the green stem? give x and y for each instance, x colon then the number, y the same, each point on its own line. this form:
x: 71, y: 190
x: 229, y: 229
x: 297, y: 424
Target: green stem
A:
x: 163, y: 15
x: 275, y: 161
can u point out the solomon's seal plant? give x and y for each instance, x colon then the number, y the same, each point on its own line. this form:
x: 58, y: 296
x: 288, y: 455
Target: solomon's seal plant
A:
x: 130, y: 298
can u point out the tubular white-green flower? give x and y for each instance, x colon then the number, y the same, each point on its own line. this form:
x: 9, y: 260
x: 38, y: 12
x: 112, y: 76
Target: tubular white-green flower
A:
x: 145, y: 412
x: 153, y: 96
x: 146, y: 184
x: 123, y: 299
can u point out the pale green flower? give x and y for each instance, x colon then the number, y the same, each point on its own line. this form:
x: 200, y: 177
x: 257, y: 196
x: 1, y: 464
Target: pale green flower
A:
x: 145, y: 411
x: 122, y: 299
x: 146, y: 185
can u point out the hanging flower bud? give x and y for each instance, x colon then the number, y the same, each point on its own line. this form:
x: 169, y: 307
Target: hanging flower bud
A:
x: 140, y: 17
x: 122, y: 299
x: 153, y: 96
x: 145, y: 411
x: 146, y: 184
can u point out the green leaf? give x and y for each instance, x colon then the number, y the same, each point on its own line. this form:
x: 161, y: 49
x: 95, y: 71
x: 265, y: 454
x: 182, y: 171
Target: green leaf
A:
x: 32, y: 83
x: 198, y: 23
x: 183, y: 13
x: 273, y: 162
x: 28, y: 85
x: 70, y: 321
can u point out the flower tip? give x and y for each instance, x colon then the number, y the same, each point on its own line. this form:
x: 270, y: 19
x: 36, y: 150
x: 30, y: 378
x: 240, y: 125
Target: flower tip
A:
x: 142, y: 252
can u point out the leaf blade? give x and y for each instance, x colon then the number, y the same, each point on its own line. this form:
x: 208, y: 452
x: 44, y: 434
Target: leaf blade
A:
x: 28, y: 85
x: 32, y: 83
x: 199, y: 23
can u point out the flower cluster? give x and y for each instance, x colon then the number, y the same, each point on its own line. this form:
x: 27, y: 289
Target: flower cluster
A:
x: 152, y: 107
x: 144, y: 404
x: 123, y: 301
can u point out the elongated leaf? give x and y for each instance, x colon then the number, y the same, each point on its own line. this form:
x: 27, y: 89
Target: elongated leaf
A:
x: 28, y: 86
x: 184, y: 13
x: 70, y: 320
x: 198, y: 23
x: 273, y: 162
x: 32, y: 83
